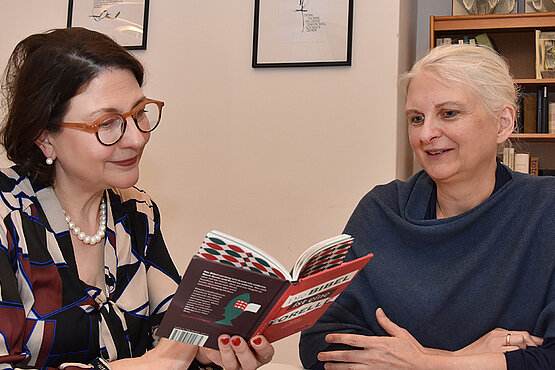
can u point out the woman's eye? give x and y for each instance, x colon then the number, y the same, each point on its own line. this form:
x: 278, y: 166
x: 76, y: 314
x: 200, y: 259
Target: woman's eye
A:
x: 110, y: 124
x: 450, y: 113
x: 416, y: 120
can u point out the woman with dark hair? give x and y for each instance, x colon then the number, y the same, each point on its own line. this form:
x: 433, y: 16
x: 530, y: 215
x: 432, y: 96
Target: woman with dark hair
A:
x: 85, y: 276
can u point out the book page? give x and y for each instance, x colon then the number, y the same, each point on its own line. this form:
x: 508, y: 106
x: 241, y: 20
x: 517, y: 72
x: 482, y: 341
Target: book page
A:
x: 322, y: 256
x: 218, y: 246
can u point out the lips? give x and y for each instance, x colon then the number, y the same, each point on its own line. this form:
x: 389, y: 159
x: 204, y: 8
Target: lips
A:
x: 126, y: 162
x: 437, y: 151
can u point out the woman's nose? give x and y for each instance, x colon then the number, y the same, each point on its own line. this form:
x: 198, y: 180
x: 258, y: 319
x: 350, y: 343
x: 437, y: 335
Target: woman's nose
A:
x: 429, y: 130
x: 133, y: 137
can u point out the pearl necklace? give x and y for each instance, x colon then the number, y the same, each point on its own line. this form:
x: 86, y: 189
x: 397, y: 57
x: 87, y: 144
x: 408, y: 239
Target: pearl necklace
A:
x: 92, y: 240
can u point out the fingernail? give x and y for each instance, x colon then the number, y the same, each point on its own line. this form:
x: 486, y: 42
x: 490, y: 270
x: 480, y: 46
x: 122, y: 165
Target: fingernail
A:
x: 257, y: 341
x: 236, y: 341
x: 224, y: 341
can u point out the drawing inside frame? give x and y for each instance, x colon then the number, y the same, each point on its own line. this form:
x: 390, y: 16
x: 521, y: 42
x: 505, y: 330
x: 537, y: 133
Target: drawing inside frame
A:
x: 302, y: 33
x: 466, y: 7
x: 534, y: 6
x: 125, y: 21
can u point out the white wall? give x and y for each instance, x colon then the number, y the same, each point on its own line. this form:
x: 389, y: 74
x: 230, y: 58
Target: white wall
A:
x: 279, y: 157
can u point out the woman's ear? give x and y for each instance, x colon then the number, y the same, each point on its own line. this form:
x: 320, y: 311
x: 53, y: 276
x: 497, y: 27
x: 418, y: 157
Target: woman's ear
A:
x: 506, y: 123
x: 43, y: 142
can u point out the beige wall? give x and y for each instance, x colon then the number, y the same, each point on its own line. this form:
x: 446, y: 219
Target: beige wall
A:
x: 279, y: 157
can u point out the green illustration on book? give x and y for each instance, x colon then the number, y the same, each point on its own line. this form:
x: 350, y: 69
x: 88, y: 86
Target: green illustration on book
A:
x: 236, y: 307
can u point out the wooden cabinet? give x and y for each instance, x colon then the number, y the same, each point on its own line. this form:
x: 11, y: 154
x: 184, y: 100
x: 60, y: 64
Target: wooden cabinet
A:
x: 514, y: 37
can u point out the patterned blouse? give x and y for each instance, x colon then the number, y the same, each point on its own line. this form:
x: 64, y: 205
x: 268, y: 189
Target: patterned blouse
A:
x: 48, y: 315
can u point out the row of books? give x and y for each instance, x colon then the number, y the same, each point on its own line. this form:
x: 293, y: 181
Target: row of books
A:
x: 523, y: 162
x: 536, y: 114
x: 482, y: 39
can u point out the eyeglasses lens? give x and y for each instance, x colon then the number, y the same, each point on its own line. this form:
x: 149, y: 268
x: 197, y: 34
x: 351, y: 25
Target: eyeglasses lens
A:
x: 148, y: 118
x: 112, y: 128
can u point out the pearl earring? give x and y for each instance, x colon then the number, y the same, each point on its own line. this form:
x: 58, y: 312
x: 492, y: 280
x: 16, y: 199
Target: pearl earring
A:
x: 49, y: 161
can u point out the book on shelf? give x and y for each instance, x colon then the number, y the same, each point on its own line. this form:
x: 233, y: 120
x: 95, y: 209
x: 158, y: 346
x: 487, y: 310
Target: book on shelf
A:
x: 529, y: 113
x: 519, y: 119
x: 483, y: 39
x: 509, y: 157
x: 232, y: 287
x: 535, y: 166
x: 455, y: 41
x: 522, y: 162
x: 545, y: 54
x: 551, y: 122
x: 542, y: 116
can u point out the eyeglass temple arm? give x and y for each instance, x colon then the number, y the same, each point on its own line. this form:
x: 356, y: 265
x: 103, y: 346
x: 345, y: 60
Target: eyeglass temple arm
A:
x: 79, y: 126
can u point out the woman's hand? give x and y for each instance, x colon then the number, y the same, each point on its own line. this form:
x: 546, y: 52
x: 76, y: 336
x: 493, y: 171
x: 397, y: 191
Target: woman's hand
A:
x: 400, y: 350
x: 234, y: 353
x: 501, y: 340
x: 168, y: 354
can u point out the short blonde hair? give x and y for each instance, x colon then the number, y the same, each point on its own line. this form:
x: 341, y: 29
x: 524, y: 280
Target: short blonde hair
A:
x: 479, y: 68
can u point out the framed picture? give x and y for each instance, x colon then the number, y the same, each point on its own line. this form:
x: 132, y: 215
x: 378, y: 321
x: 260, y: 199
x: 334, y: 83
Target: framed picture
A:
x: 534, y: 6
x: 125, y: 21
x: 302, y: 33
x: 466, y: 7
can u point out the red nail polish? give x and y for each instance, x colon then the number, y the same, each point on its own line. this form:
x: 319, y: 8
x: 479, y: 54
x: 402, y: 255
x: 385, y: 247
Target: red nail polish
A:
x: 224, y: 340
x: 257, y: 341
x: 236, y: 341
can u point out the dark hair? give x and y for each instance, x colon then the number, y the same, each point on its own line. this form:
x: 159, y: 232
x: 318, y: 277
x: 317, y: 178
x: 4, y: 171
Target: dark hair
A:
x: 43, y: 73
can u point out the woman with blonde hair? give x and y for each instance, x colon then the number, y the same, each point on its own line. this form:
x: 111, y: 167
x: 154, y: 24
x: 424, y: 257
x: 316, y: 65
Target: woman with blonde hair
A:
x: 464, y: 253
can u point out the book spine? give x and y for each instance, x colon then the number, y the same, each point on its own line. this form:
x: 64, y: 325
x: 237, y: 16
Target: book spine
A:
x: 522, y: 162
x: 262, y: 323
x: 512, y: 158
x: 520, y: 116
x: 535, y: 166
x: 505, y: 159
x: 529, y: 102
x: 539, y: 112
x: 545, y: 113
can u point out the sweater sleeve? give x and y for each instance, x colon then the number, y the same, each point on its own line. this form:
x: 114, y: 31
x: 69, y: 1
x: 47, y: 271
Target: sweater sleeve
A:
x: 533, y: 358
x: 353, y: 311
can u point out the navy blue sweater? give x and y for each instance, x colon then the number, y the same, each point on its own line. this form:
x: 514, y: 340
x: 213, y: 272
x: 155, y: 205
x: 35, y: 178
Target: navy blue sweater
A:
x: 450, y: 281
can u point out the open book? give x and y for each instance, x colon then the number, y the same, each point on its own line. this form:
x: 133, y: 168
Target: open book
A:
x: 232, y: 287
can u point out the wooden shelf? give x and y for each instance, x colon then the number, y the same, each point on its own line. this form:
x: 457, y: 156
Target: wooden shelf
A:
x: 513, y: 35
x: 491, y: 22
x: 535, y: 81
x: 534, y: 137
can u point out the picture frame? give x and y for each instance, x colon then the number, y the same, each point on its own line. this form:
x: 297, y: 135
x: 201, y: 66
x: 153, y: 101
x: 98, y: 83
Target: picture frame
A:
x: 302, y: 33
x: 462, y: 7
x: 537, y: 6
x: 125, y: 21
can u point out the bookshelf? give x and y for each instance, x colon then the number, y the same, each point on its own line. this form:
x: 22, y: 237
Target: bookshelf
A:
x: 514, y: 37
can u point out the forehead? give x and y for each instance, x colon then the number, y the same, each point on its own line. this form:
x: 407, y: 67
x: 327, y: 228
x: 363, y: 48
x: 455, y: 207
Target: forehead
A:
x: 111, y: 90
x: 111, y: 81
x: 425, y: 90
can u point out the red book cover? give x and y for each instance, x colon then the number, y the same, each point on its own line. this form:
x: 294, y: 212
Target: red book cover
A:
x: 232, y: 287
x: 304, y: 302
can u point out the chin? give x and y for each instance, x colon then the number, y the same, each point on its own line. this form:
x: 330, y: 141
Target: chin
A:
x: 124, y: 181
x: 439, y: 174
